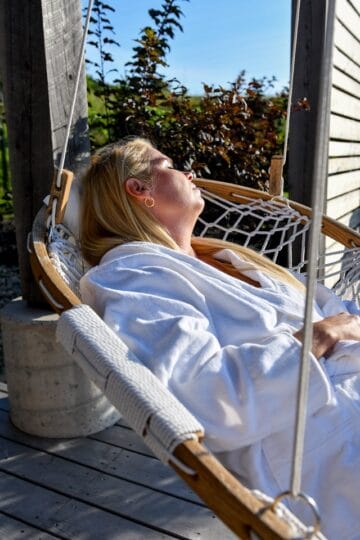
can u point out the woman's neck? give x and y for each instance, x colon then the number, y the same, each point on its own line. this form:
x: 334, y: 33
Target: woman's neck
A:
x: 183, y: 240
x: 187, y: 249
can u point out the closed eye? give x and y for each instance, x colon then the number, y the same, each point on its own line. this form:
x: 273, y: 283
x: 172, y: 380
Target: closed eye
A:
x: 171, y: 167
x: 181, y: 170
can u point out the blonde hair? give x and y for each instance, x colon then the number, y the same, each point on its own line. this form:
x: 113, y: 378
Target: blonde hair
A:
x: 111, y: 217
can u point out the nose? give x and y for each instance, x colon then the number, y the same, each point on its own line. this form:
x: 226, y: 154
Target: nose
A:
x: 189, y: 174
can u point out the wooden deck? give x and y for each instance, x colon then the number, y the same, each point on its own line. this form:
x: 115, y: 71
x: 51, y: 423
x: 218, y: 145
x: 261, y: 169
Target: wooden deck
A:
x: 102, y: 487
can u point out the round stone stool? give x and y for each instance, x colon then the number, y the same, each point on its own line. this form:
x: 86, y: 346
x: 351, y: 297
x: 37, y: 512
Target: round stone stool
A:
x: 49, y: 394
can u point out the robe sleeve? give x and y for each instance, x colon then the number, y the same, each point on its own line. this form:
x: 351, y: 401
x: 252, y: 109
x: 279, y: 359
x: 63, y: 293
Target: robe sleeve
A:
x: 241, y: 393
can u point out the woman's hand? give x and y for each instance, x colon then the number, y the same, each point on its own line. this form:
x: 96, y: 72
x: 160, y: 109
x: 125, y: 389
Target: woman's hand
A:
x: 328, y: 331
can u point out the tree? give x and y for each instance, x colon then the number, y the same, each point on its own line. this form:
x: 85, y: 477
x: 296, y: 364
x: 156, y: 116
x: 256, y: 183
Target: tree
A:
x: 228, y: 133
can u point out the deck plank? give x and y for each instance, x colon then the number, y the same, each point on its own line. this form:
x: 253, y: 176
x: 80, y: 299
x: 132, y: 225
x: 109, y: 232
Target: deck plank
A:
x: 12, y: 529
x: 145, y: 471
x: 64, y: 517
x: 123, y: 438
x: 106, y: 486
x: 57, y: 473
x: 106, y: 492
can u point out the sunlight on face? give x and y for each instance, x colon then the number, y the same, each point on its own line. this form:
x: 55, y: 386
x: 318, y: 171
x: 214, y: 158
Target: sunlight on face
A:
x: 177, y: 199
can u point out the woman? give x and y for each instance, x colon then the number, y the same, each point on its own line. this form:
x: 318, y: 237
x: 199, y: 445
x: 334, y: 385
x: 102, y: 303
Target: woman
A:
x: 226, y: 344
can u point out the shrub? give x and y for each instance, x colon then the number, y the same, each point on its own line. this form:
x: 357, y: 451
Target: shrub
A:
x: 228, y: 133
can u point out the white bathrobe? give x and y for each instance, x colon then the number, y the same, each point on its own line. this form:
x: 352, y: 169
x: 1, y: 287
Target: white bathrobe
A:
x: 226, y: 349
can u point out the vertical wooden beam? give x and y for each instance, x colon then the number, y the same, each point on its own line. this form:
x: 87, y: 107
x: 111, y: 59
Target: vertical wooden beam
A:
x: 40, y: 42
x: 63, y: 35
x: 306, y: 85
x: 28, y: 118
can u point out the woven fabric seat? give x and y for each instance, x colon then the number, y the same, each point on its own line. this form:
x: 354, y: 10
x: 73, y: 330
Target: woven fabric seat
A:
x: 65, y: 254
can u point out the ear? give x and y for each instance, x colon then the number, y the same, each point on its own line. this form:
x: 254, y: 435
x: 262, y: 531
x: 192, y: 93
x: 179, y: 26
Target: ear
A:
x: 137, y: 188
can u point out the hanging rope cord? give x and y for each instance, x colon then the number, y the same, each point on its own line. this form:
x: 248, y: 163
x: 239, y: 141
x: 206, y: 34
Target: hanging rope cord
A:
x: 291, y: 87
x: 318, y: 182
x: 51, y: 220
x: 76, y: 89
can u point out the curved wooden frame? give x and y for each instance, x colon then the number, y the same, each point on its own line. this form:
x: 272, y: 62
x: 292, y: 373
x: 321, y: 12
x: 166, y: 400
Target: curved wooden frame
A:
x: 55, y: 290
x: 234, y: 504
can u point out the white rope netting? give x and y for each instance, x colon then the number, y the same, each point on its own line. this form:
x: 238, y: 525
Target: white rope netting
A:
x: 273, y: 228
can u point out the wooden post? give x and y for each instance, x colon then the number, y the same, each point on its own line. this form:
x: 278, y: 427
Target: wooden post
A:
x: 306, y: 85
x: 63, y: 35
x: 28, y: 118
x: 39, y: 46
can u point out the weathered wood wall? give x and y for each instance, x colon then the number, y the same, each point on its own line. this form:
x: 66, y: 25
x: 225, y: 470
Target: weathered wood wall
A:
x: 39, y: 47
x: 342, y: 196
x: 62, y: 22
x: 343, y: 187
x: 342, y: 190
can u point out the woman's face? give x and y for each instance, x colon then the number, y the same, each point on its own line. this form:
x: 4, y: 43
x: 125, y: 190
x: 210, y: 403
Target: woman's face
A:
x: 175, y: 195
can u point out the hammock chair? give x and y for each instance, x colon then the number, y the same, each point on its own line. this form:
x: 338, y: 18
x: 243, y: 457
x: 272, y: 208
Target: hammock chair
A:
x: 274, y: 226
x: 165, y: 425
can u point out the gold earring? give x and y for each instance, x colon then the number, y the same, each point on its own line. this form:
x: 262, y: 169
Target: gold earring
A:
x: 149, y: 202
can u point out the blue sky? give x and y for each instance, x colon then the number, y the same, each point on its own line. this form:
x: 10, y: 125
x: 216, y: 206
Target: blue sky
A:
x: 220, y: 38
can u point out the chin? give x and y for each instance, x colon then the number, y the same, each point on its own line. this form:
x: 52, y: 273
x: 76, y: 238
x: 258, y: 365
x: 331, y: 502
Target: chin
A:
x: 200, y: 206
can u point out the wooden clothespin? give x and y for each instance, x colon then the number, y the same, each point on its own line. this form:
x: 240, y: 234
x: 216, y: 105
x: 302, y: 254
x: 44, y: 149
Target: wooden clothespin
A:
x: 61, y: 194
x: 276, y: 181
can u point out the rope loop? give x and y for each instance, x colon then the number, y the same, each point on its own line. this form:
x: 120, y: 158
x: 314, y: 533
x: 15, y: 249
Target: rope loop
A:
x: 171, y: 458
x: 313, y: 530
x: 76, y: 89
x: 280, y: 199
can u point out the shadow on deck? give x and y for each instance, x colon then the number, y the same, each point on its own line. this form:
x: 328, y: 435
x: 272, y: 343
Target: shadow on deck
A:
x: 106, y: 486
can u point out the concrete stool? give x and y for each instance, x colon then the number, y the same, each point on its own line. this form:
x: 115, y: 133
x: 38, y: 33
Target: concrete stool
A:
x: 49, y: 394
